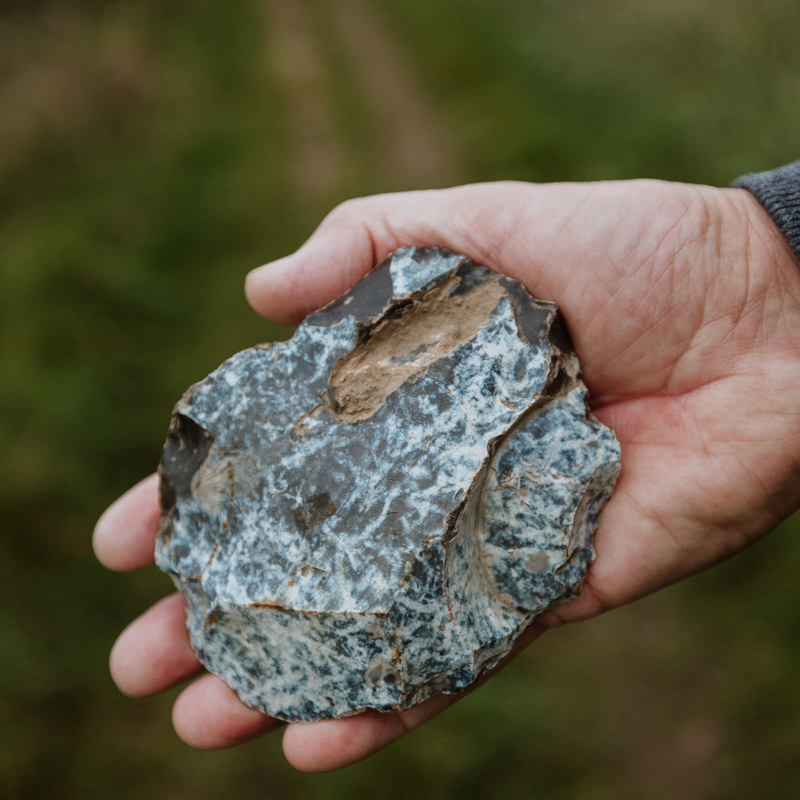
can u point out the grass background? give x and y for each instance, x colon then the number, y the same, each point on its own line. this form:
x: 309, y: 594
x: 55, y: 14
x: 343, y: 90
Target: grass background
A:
x: 152, y: 153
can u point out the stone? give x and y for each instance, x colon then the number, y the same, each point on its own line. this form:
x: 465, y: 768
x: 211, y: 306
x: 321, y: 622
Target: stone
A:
x: 372, y: 512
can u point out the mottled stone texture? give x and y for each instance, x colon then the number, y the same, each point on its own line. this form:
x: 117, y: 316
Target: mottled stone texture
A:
x: 373, y: 511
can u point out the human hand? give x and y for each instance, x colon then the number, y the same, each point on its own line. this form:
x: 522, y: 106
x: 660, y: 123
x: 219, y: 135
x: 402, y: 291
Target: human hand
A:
x: 683, y: 303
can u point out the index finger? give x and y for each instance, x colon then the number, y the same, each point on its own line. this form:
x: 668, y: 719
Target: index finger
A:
x: 124, y: 537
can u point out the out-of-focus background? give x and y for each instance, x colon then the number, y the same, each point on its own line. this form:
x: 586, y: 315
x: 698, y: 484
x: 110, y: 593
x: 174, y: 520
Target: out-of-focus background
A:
x: 150, y: 154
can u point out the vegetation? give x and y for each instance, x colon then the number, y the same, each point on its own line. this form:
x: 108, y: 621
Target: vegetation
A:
x: 150, y: 154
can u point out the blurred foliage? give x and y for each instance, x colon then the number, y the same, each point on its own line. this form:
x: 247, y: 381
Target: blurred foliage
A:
x: 150, y: 154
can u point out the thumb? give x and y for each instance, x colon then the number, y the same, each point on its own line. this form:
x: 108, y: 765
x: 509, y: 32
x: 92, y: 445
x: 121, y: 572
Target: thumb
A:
x: 479, y: 221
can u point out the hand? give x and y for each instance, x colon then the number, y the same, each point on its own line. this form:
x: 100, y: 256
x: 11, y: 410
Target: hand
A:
x: 684, y: 307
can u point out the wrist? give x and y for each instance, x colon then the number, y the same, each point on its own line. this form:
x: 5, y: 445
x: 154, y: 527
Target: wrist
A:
x: 773, y: 305
x: 778, y: 192
x: 753, y: 236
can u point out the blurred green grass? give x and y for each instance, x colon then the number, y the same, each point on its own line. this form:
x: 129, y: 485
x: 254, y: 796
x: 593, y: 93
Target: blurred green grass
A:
x: 152, y: 153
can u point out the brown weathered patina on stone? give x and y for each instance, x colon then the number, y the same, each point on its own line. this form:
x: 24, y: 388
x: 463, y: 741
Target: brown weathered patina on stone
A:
x: 374, y: 511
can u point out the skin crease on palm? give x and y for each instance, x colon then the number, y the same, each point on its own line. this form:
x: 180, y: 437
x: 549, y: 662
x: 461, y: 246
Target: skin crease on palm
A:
x: 683, y: 303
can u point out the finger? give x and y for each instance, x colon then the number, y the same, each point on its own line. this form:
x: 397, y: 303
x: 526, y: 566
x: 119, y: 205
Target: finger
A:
x: 153, y: 653
x: 331, y: 744
x: 124, y: 537
x: 349, y: 242
x: 334, y: 743
x: 209, y: 716
x: 480, y: 221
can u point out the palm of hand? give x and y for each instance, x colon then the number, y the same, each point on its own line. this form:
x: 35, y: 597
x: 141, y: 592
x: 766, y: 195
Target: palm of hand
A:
x: 681, y: 302
x: 674, y: 350
x: 678, y: 299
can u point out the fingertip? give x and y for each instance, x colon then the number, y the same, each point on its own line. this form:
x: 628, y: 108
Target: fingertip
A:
x: 153, y: 653
x: 331, y: 744
x: 253, y: 285
x: 208, y: 715
x: 124, y: 536
x: 336, y: 256
x: 265, y: 287
x: 116, y: 666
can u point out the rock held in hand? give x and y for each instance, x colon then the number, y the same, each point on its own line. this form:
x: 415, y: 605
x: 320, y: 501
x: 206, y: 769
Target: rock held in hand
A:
x: 373, y: 511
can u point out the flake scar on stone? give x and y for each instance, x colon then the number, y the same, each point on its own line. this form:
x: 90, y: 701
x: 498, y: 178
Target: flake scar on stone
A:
x: 427, y: 328
x: 315, y: 510
x: 429, y: 481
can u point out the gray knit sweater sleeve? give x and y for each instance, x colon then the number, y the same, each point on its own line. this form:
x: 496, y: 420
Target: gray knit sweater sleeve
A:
x: 779, y: 192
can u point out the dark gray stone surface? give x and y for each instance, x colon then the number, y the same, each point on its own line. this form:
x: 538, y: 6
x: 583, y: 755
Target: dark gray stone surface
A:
x: 374, y: 510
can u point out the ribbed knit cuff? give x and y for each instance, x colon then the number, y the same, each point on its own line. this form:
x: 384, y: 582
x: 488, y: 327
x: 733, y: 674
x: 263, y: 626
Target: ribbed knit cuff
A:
x: 779, y: 192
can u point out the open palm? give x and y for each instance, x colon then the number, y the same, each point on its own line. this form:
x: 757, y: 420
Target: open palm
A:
x: 683, y: 303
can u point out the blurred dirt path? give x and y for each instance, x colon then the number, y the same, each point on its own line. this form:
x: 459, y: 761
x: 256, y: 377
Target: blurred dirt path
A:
x: 417, y: 149
x: 317, y: 160
x: 411, y: 139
